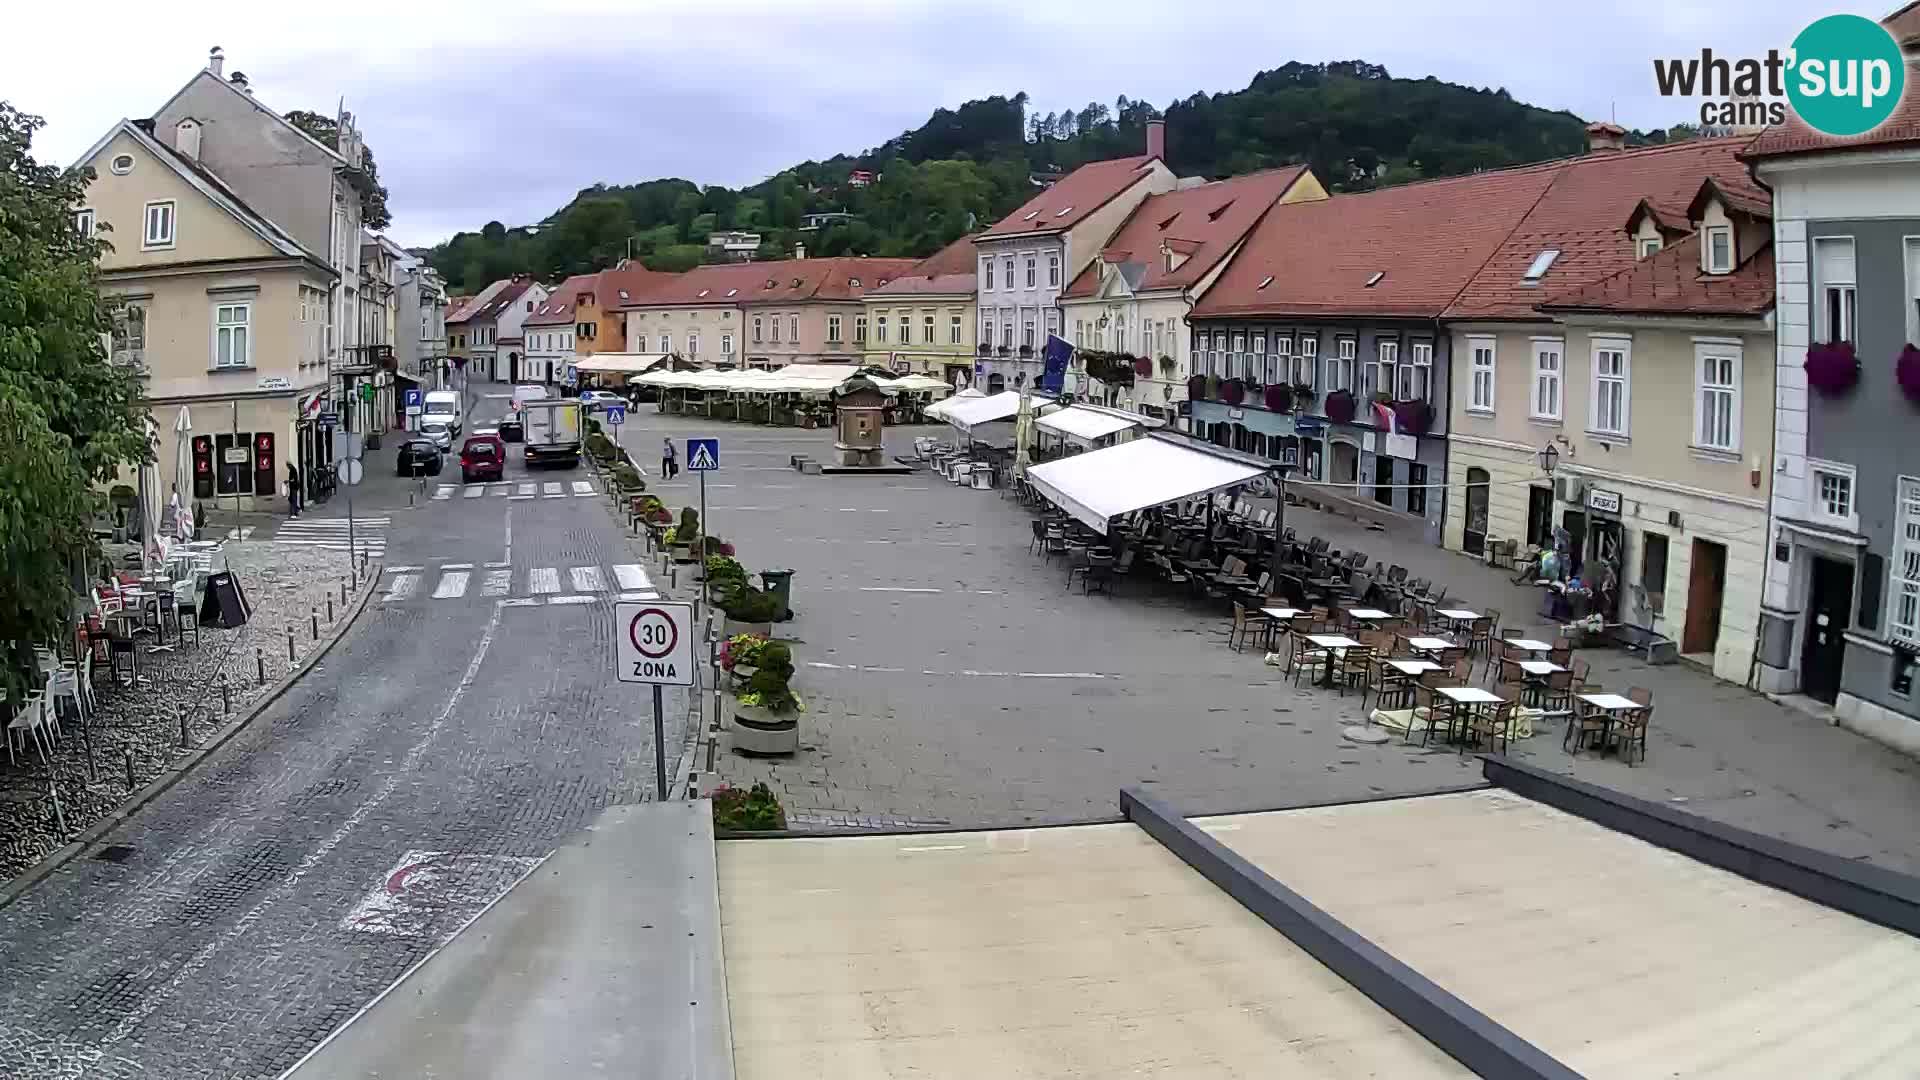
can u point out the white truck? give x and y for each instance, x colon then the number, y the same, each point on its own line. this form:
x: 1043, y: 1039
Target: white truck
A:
x: 552, y: 431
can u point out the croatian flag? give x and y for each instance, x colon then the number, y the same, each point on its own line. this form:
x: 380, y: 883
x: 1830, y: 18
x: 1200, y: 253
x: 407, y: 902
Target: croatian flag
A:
x: 1389, y: 420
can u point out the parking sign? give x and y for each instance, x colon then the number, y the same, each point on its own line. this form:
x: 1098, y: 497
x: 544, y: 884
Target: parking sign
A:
x: 655, y: 642
x: 416, y: 400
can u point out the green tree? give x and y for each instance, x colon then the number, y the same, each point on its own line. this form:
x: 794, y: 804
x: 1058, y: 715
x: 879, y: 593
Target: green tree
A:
x: 365, y: 180
x: 69, y: 418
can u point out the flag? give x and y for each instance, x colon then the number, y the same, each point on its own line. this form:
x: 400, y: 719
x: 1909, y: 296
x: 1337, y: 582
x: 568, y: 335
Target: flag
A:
x: 1389, y: 420
x: 1055, y: 356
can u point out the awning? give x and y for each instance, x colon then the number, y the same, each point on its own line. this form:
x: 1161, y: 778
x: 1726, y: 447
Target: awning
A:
x: 972, y: 412
x: 1104, y: 484
x: 1084, y: 425
x: 628, y: 363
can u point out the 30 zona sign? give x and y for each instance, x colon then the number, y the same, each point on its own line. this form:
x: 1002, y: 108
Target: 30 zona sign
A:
x: 654, y: 642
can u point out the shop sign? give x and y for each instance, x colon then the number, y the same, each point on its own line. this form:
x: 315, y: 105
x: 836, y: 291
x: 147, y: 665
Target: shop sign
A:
x: 1607, y: 502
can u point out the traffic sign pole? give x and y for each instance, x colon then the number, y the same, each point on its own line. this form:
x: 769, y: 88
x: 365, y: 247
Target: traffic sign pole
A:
x: 654, y: 644
x: 659, y: 746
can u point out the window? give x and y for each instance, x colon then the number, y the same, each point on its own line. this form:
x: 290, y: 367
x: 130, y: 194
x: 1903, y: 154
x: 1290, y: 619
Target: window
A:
x: 773, y: 331
x: 693, y: 345
x: 1717, y: 397
x: 1031, y: 264
x: 1053, y: 321
x: 1830, y: 494
x: 1540, y: 265
x: 1380, y: 373
x: 130, y: 333
x: 1612, y: 382
x: 1416, y: 378
x: 1913, y: 289
x: 1006, y: 335
x: 1340, y: 366
x: 1237, y: 357
x: 1546, y: 379
x: 986, y: 273
x: 1833, y: 265
x: 1719, y: 249
x: 833, y: 328
x: 726, y: 346
x: 1307, y: 366
x: 159, y: 232
x: 1653, y: 568
x: 1053, y: 271
x: 1383, y: 480
x: 1079, y: 333
x: 1416, y: 489
x: 1648, y: 245
x: 793, y: 329
x: 83, y: 222
x: 953, y: 328
x: 1026, y: 334
x: 859, y: 329
x: 758, y: 332
x: 880, y: 329
x: 666, y: 343
x: 1903, y: 622
x: 121, y: 165
x: 232, y: 344
x: 1006, y: 267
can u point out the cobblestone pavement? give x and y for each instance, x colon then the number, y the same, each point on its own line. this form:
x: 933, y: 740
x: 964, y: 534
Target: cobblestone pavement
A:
x: 950, y: 677
x: 438, y: 750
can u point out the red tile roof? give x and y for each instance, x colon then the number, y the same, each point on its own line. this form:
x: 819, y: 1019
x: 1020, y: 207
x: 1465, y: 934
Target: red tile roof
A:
x: 786, y: 281
x: 630, y: 278
x: 1670, y: 282
x: 1426, y: 239
x: 1203, y: 223
x: 458, y: 308
x: 1580, y: 215
x: 1904, y: 25
x: 1902, y: 128
x: 952, y: 269
x: 1075, y: 196
x: 499, y: 302
x: 557, y: 308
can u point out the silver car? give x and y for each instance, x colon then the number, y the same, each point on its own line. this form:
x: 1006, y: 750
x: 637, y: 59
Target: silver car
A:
x: 439, y: 432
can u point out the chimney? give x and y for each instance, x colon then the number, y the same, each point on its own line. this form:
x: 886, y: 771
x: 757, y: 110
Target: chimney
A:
x: 217, y: 61
x: 186, y: 138
x: 1157, y: 139
x: 239, y: 80
x: 1603, y: 137
x: 799, y: 251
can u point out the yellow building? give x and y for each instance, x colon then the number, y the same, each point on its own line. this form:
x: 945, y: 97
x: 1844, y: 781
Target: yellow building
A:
x: 923, y: 321
x: 223, y: 310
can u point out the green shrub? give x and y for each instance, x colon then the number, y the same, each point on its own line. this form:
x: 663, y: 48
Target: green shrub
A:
x: 599, y: 447
x: 626, y: 476
x: 753, y: 810
x: 689, y: 524
x: 723, y: 568
x: 748, y: 605
x: 593, y: 425
x: 777, y: 656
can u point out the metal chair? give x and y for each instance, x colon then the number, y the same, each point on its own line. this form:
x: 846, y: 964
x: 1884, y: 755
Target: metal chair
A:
x: 1246, y: 623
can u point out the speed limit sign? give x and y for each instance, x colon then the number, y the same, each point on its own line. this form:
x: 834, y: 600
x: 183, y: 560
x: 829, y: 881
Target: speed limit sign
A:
x: 654, y: 642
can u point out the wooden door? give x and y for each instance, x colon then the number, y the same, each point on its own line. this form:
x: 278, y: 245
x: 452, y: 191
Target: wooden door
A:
x: 1706, y: 584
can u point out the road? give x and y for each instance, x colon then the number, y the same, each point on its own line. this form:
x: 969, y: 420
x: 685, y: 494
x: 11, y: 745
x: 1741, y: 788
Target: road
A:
x: 464, y: 727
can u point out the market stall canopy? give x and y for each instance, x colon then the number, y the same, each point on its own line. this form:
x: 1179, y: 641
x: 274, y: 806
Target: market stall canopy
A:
x: 913, y: 382
x: 970, y: 413
x: 620, y: 362
x: 1104, y: 484
x: 1086, y: 425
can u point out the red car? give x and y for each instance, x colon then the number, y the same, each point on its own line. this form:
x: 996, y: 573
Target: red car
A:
x: 483, y: 457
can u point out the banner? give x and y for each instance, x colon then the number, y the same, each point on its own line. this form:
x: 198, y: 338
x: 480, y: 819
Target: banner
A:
x: 1055, y: 357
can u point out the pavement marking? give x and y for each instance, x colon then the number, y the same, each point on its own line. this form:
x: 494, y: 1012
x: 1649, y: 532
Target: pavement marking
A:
x: 241, y: 533
x: 647, y: 594
x: 585, y: 578
x: 631, y: 576
x: 934, y: 847
x: 582, y: 487
x: 576, y: 599
x: 551, y: 489
x: 456, y: 566
x: 443, y: 492
x: 525, y: 489
x: 824, y: 666
x: 498, y: 489
x: 497, y: 583
x: 544, y: 579
x: 521, y: 498
x: 895, y: 588
x: 474, y: 491
x: 518, y: 602
x: 453, y: 584
x: 499, y: 565
x: 135, y: 1017
x: 402, y: 587
x: 402, y: 569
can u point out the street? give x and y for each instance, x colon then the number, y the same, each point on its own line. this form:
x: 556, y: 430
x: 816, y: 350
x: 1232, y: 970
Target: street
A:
x: 445, y: 746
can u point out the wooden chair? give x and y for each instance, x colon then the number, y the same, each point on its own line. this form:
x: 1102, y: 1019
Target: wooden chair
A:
x: 1434, y: 706
x: 1495, y: 726
x: 1247, y: 622
x: 1304, y: 656
x: 1355, y: 669
x: 1586, y: 719
x: 1392, y: 688
x: 1562, y: 654
x: 1512, y: 682
x: 1631, y: 727
x: 1559, y: 693
x: 1498, y: 654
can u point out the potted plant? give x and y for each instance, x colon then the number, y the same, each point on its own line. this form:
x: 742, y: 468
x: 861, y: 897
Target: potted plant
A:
x: 1278, y: 398
x: 766, y: 714
x: 740, y: 656
x: 749, y: 611
x: 1340, y: 406
x: 1143, y: 367
x: 1832, y: 368
x: 753, y: 810
x: 1196, y: 387
x: 1414, y: 417
x: 1233, y: 391
x: 1302, y: 396
x: 1213, y: 388
x: 684, y: 534
x: 627, y: 478
x: 1906, y: 371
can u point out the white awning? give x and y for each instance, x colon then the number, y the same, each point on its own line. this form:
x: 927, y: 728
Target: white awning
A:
x: 1104, y: 484
x: 1084, y: 425
x: 972, y: 412
x: 630, y: 363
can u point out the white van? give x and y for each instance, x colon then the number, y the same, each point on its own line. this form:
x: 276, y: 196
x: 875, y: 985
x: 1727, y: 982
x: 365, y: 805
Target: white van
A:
x: 443, y: 406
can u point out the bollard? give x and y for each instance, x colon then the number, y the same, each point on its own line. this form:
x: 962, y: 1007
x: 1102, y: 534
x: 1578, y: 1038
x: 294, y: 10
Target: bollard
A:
x: 343, y: 592
x: 260, y: 664
x: 86, y: 736
x: 185, y: 739
x: 289, y: 644
x: 313, y: 621
x: 329, y: 609
x: 129, y: 770
x: 226, y: 698
x: 59, y: 814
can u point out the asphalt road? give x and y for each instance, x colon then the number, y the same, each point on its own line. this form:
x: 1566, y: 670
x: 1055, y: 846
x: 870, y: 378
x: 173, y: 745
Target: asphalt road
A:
x: 451, y: 740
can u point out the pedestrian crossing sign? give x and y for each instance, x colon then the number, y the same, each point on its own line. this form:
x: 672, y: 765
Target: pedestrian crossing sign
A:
x: 703, y: 455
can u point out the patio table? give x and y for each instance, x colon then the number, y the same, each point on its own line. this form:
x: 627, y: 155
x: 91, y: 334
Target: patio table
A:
x: 1470, y: 698
x: 1332, y: 643
x: 1456, y: 616
x: 1528, y: 645
x: 1367, y: 615
x: 1430, y: 644
x: 1413, y: 667
x: 1283, y: 614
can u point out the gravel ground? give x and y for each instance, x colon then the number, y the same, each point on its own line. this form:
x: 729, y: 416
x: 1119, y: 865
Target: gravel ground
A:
x: 136, y: 735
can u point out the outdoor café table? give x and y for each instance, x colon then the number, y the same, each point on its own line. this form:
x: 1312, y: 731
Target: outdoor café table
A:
x: 1332, y: 643
x: 1612, y: 705
x: 1538, y: 671
x: 1282, y: 614
x: 1456, y: 616
x: 1528, y: 645
x: 1470, y: 698
x: 1367, y: 615
x: 1429, y: 644
x: 1415, y: 668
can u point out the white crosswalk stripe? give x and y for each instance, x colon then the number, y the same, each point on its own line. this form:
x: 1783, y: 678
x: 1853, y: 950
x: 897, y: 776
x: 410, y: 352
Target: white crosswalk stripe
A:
x: 631, y: 576
x: 527, y: 489
x: 582, y: 487
x: 497, y: 583
x: 544, y: 580
x: 453, y: 584
x: 474, y: 491
x: 551, y: 489
x: 586, y: 578
x: 443, y: 492
x: 498, y: 489
x: 574, y: 599
x: 645, y: 594
x: 543, y: 585
x: 402, y: 587
x: 369, y: 535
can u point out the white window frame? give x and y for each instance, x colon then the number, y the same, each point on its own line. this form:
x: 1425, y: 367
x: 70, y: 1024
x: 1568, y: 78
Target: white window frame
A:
x: 929, y: 329
x: 726, y: 346
x: 150, y: 239
x: 693, y: 344
x: 244, y: 326
x: 1599, y: 380
x: 1556, y: 378
x: 1053, y: 271
x: 1903, y: 571
x: 1308, y: 362
x: 1817, y: 509
x: 1910, y: 261
x: 986, y: 274
x: 1824, y: 291
x: 759, y: 330
x: 1386, y: 359
x: 1340, y: 364
x: 793, y: 328
x: 1483, y: 381
x: 666, y: 342
x: 1006, y: 267
x: 83, y: 222
x: 1414, y: 379
x: 1710, y: 234
x: 1033, y: 268
x: 1648, y: 245
x: 833, y: 329
x: 956, y: 328
x: 1705, y: 352
x: 859, y: 329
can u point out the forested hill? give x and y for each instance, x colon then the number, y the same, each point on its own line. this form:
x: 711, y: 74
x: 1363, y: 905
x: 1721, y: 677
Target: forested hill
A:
x: 1354, y: 123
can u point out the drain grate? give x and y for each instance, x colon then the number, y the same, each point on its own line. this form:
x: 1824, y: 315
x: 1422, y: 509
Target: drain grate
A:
x: 115, y: 853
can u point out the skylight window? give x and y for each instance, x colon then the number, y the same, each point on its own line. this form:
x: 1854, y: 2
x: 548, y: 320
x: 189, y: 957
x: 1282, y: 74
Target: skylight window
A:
x: 623, y: 294
x: 1165, y: 225
x: 1265, y: 281
x: 703, y: 293
x: 1064, y: 211
x: 1224, y: 207
x: 771, y: 284
x: 730, y: 292
x: 1541, y: 263
x: 796, y: 284
x: 1375, y: 279
x: 1031, y: 214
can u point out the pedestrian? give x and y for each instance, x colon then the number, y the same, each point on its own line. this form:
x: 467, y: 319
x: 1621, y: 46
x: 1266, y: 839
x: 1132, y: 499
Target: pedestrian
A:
x: 668, y: 466
x: 293, y: 490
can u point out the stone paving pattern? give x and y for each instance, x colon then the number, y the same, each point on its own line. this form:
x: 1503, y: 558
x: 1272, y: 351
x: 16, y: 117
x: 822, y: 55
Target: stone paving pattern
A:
x: 1177, y: 711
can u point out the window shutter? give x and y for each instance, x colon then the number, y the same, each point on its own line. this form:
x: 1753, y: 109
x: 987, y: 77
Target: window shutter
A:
x: 1835, y: 260
x: 1872, y: 583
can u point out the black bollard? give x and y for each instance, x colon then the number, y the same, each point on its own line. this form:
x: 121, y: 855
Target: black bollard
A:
x: 226, y: 698
x: 343, y: 592
x: 129, y: 771
x: 313, y: 621
x: 59, y: 815
x: 329, y: 609
x: 260, y: 664
x: 289, y: 644
x: 185, y: 740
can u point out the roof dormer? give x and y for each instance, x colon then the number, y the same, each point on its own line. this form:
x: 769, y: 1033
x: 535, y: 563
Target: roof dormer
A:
x: 1732, y: 226
x: 1650, y: 230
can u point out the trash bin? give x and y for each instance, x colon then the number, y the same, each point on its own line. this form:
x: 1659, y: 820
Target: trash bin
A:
x: 780, y: 584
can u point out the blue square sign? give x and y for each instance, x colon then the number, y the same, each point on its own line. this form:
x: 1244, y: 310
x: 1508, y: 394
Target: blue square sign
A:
x: 616, y: 414
x: 703, y: 455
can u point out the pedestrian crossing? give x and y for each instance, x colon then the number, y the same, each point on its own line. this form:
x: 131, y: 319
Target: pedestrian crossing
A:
x: 516, y: 490
x: 548, y: 585
x: 368, y: 534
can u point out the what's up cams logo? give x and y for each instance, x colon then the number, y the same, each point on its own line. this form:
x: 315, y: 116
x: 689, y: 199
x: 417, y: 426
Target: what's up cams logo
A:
x: 1843, y: 76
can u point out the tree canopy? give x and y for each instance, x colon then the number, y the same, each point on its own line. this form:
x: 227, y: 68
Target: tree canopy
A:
x: 69, y: 419
x: 366, y: 180
x: 1355, y: 124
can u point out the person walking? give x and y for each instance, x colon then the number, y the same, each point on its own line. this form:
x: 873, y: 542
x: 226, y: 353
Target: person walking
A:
x: 668, y: 466
x: 293, y: 490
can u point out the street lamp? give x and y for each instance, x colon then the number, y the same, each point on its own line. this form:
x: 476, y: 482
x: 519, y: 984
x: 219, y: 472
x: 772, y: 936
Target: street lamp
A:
x: 1548, y: 458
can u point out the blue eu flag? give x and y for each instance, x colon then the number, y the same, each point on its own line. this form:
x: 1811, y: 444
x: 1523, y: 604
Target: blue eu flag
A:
x: 1053, y: 376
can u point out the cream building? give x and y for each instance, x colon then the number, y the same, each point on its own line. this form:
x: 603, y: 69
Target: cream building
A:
x: 922, y: 321
x: 225, y: 311
x: 763, y: 314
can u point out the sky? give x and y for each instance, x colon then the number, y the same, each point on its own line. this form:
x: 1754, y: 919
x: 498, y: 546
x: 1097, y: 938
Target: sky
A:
x: 503, y: 111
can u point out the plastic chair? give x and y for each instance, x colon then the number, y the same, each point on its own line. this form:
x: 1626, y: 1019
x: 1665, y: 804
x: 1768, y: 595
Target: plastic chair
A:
x: 30, y: 723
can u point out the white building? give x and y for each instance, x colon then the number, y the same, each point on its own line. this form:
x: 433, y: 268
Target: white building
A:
x: 551, y: 329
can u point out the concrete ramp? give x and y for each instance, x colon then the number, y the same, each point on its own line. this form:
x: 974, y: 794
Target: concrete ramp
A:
x: 605, y: 961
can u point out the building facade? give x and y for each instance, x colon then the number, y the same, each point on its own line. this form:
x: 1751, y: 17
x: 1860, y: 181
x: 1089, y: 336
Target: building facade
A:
x: 496, y: 346
x: 1841, y: 619
x: 763, y: 314
x: 1027, y: 258
x: 421, y: 303
x: 922, y: 321
x: 551, y: 332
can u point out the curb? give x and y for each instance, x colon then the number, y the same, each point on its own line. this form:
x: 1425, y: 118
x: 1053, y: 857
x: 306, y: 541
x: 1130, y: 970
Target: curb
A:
x: 93, y: 835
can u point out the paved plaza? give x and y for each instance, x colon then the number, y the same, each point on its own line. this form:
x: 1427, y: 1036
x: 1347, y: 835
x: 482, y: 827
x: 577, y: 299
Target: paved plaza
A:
x: 951, y: 678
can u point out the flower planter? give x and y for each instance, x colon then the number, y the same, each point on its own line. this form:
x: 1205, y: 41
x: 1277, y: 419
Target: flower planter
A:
x: 1832, y: 369
x: 730, y: 628
x: 1906, y: 371
x: 1278, y: 398
x: 1413, y: 417
x: 757, y: 731
x: 1340, y: 406
x: 1233, y: 391
x: 1197, y: 388
x: 1143, y: 367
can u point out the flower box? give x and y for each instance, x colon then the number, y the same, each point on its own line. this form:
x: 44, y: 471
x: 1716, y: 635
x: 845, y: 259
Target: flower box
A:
x: 1340, y: 406
x: 1233, y: 391
x: 1413, y: 417
x: 1833, y: 368
x: 1906, y: 371
x: 1279, y: 398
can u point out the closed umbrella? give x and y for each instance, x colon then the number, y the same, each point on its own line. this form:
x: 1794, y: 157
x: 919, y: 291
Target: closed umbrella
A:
x: 150, y: 503
x: 181, y: 501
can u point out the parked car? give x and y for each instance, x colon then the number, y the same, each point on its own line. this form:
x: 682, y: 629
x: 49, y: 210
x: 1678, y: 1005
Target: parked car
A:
x: 419, y: 457
x: 512, y: 428
x: 599, y: 399
x: 483, y: 457
x: 439, y: 433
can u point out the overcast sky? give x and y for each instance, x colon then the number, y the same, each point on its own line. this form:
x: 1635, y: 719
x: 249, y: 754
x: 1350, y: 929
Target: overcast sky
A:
x: 487, y: 111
